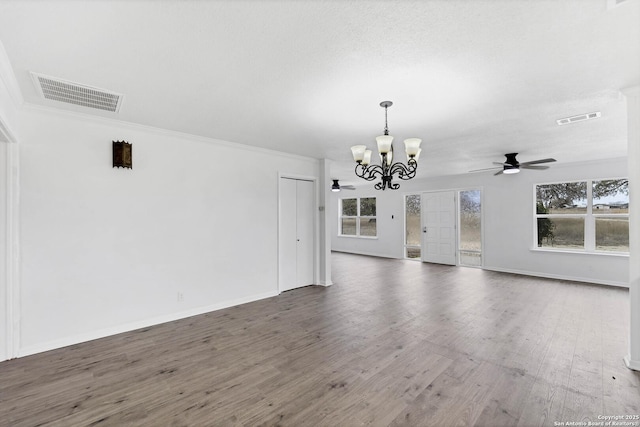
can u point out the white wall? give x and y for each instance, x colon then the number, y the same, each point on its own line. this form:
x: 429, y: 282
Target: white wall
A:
x: 3, y: 252
x: 508, y: 222
x: 104, y: 250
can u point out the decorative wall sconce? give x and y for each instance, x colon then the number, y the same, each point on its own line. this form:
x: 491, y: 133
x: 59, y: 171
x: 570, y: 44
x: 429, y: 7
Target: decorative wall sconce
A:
x: 122, y: 157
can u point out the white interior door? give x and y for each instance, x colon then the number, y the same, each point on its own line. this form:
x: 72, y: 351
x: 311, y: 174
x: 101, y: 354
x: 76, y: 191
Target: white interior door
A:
x: 439, y: 227
x: 296, y: 237
x: 304, y: 231
x: 287, y: 245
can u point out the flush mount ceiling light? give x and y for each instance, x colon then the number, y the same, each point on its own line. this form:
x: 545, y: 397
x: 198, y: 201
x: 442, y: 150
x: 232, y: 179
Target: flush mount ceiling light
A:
x: 386, y: 170
x: 579, y: 118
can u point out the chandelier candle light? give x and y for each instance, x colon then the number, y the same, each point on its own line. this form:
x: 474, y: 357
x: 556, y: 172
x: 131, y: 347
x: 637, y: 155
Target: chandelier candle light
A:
x: 387, y: 169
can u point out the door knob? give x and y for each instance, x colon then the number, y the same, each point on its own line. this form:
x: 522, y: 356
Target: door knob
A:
x: 424, y: 229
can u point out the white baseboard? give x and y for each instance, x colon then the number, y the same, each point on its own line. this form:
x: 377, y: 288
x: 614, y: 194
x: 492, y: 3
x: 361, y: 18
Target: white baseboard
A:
x: 325, y: 283
x: 89, y: 336
x: 632, y: 364
x: 559, y: 277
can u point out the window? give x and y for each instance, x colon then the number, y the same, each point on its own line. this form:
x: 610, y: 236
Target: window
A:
x: 358, y: 217
x: 590, y: 215
x: 412, y: 235
x: 470, y: 235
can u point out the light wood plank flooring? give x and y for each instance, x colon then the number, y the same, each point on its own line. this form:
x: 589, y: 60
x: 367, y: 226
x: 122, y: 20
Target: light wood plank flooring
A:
x: 392, y: 342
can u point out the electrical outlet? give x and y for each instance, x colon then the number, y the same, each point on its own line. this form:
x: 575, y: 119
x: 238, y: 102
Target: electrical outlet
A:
x: 180, y: 297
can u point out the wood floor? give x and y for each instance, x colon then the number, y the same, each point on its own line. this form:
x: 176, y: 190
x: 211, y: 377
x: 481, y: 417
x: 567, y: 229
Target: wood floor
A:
x: 392, y: 342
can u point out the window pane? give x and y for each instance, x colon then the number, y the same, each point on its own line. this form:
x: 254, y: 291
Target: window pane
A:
x: 472, y: 259
x: 413, y: 253
x: 563, y: 233
x: 611, y: 196
x: 368, y: 206
x: 470, y: 230
x: 563, y: 198
x: 612, y: 234
x: 349, y: 207
x: 349, y: 226
x: 412, y: 221
x: 367, y: 226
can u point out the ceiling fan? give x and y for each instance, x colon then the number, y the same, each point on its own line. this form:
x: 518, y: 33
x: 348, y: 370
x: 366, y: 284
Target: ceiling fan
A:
x: 512, y: 165
x: 337, y: 187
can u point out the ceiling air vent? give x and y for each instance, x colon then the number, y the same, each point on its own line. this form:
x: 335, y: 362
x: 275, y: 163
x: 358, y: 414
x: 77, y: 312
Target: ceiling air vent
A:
x: 580, y: 118
x: 75, y: 93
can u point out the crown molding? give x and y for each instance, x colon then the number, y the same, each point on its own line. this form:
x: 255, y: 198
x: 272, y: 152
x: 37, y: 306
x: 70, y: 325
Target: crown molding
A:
x: 8, y: 78
x: 28, y: 106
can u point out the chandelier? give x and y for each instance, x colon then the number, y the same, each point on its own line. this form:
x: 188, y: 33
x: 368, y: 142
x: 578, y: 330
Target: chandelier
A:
x: 386, y: 170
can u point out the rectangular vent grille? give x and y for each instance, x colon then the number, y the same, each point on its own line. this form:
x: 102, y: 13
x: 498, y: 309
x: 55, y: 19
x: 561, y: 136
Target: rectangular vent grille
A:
x: 580, y: 118
x: 77, y: 94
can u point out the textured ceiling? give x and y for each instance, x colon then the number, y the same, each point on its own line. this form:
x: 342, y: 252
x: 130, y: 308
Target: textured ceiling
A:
x: 473, y: 79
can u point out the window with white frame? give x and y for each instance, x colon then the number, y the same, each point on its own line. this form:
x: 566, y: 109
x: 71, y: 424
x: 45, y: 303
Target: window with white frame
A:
x: 590, y: 215
x: 413, y: 235
x: 358, y: 217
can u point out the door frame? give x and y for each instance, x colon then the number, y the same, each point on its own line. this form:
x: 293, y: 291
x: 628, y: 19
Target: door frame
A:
x: 316, y: 230
x: 10, y: 280
x: 457, y: 220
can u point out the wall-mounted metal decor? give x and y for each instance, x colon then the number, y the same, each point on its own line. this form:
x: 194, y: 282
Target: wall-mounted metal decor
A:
x: 122, y: 157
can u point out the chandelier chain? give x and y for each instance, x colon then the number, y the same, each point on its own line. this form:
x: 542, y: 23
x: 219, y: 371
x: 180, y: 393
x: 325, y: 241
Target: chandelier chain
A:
x: 386, y: 127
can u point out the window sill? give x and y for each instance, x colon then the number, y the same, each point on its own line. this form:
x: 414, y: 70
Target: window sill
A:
x: 574, y: 251
x: 358, y: 237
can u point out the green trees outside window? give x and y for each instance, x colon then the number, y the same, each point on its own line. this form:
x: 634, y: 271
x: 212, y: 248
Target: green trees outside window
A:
x: 590, y: 215
x: 358, y: 217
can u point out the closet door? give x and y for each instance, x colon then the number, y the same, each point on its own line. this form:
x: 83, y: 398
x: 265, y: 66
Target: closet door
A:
x: 304, y: 232
x: 296, y: 237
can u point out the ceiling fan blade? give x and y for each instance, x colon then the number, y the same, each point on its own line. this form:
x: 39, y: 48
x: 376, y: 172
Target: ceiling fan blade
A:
x: 500, y: 163
x: 534, y: 167
x: 498, y: 173
x: 347, y: 187
x: 485, y: 169
x: 535, y: 162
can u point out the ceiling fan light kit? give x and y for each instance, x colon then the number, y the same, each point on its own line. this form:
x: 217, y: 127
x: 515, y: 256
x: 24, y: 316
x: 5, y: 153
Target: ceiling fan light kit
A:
x: 512, y: 166
x: 386, y: 170
x: 511, y: 170
x: 337, y: 187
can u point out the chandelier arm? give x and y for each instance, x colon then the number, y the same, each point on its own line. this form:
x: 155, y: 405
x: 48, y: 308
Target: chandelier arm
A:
x: 368, y: 173
x: 404, y: 172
